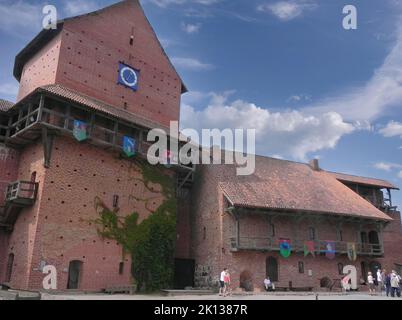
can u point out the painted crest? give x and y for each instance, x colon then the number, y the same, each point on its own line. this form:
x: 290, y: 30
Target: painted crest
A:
x: 80, y: 130
x: 285, y: 247
x: 309, y: 248
x: 351, y: 249
x: 129, y: 146
x: 330, y: 249
x: 128, y: 76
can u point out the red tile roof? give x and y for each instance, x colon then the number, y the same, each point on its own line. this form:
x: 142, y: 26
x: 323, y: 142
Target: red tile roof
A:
x: 364, y: 180
x: 5, y: 105
x: 285, y: 185
x: 74, y: 96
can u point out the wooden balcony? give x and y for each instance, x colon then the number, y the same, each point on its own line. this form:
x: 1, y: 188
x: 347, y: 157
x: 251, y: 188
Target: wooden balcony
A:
x: 21, y: 193
x: 272, y: 244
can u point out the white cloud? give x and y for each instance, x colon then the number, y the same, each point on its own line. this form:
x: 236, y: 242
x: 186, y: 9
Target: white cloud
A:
x: 400, y: 174
x: 386, y: 166
x: 299, y: 98
x: 9, y: 90
x: 77, y: 7
x: 288, y: 134
x: 392, y: 129
x: 191, y: 64
x: 379, y: 95
x: 287, y: 10
x: 190, y: 28
x: 20, y: 16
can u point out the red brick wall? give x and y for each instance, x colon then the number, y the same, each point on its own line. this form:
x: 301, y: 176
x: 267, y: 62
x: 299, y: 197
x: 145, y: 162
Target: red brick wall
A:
x: 63, y: 230
x: 41, y: 69
x: 91, y: 49
x: 8, y: 168
x: 212, y: 253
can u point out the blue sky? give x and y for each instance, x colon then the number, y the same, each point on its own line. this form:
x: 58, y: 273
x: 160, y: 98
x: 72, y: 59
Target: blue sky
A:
x: 284, y: 67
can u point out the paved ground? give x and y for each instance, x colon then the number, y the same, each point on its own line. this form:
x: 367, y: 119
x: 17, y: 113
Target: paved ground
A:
x: 278, y: 296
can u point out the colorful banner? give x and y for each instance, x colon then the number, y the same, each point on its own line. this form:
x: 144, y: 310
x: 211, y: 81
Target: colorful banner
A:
x: 309, y: 248
x: 80, y: 130
x: 351, y: 249
x: 330, y: 249
x: 285, y: 247
x: 129, y: 146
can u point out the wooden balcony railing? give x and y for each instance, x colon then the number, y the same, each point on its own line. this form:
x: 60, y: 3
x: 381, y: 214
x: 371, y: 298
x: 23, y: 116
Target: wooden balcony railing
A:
x: 22, y: 193
x: 272, y: 244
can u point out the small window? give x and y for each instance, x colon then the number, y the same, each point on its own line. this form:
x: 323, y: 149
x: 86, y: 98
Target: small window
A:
x: 131, y: 40
x: 340, y: 268
x: 115, y: 201
x: 311, y: 233
x: 10, y: 264
x: 301, y: 267
x: 204, y: 233
x: 121, y: 268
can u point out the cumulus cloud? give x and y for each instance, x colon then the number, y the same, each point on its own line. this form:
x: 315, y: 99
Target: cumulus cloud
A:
x: 287, y: 10
x: 379, y: 95
x: 190, y: 28
x: 392, y: 129
x: 387, y: 166
x: 287, y: 134
x: 191, y: 64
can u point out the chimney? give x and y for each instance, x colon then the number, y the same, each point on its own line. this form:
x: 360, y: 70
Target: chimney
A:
x: 315, y: 165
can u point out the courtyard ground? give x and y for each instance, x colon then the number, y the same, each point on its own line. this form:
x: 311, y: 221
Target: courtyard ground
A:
x: 275, y: 296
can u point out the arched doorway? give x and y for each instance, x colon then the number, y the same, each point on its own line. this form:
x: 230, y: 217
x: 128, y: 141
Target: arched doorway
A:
x: 74, y: 274
x: 374, y: 266
x: 246, y: 281
x: 271, y: 265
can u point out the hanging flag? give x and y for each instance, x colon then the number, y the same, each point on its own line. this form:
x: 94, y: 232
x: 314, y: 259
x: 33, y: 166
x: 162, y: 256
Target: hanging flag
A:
x: 80, y: 130
x: 129, y: 146
x: 309, y: 248
x: 330, y: 249
x: 285, y: 247
x: 351, y: 249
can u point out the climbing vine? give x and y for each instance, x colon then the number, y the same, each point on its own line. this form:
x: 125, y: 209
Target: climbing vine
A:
x: 151, y: 243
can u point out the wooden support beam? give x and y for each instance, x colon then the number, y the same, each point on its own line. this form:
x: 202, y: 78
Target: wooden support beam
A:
x: 47, y: 140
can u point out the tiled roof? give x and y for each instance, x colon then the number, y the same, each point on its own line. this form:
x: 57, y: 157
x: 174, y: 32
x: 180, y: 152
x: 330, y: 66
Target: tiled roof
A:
x: 285, y: 185
x: 5, y: 105
x: 92, y: 103
x: 363, y: 180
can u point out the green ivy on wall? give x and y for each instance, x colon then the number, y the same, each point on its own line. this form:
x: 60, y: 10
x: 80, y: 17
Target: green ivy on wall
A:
x: 151, y: 243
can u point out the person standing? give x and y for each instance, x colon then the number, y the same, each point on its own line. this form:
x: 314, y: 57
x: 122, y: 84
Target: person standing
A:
x: 379, y: 281
x: 370, y: 281
x: 226, y: 280
x: 395, y: 284
x: 222, y: 282
x: 387, y: 282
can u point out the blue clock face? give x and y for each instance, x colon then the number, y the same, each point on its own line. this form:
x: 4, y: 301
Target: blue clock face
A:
x: 128, y: 77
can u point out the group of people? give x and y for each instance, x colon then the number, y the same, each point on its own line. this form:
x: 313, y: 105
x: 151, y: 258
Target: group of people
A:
x: 390, y: 282
x: 224, y: 283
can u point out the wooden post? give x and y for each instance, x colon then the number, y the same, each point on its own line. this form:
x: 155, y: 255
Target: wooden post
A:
x: 47, y: 140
